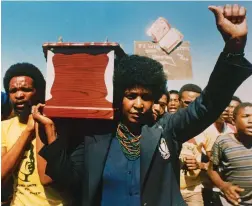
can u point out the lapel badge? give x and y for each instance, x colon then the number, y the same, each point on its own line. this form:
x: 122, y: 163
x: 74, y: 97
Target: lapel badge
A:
x: 163, y: 149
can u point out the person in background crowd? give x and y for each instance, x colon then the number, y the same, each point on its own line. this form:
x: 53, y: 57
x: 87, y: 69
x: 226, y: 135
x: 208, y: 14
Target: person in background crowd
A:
x: 234, y: 103
x: 188, y: 93
x: 25, y: 86
x: 159, y: 107
x: 191, y: 155
x: 173, y: 104
x: 108, y: 165
x: 231, y: 162
x: 219, y: 127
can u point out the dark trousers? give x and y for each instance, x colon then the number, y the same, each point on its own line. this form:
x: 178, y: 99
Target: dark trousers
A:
x: 210, y: 197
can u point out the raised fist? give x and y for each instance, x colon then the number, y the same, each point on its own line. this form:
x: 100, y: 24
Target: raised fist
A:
x: 232, y: 24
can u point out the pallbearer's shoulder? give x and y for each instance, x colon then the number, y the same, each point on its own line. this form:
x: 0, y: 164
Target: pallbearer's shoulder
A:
x: 9, y: 121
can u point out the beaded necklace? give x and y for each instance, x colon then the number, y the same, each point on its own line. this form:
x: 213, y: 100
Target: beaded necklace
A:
x: 130, y: 143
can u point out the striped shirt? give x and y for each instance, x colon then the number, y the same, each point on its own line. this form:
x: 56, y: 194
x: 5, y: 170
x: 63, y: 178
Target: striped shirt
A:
x: 235, y: 163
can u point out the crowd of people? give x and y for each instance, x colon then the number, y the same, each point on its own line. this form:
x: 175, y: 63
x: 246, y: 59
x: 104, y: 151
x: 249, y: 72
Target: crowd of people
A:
x: 163, y: 148
x: 196, y: 185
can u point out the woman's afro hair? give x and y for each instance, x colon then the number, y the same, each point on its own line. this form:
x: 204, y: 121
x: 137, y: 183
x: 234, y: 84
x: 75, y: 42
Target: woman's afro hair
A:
x: 138, y: 71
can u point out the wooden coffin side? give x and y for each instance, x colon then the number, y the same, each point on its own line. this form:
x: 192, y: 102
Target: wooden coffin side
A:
x: 80, y: 85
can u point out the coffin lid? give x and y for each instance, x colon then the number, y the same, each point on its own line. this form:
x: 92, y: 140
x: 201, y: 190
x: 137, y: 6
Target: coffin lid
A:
x: 113, y: 45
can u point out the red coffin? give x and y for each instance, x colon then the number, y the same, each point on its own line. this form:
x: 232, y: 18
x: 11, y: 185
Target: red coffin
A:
x: 79, y: 79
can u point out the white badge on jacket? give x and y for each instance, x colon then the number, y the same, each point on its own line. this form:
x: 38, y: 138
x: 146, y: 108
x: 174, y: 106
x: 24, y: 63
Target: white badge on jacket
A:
x: 163, y: 149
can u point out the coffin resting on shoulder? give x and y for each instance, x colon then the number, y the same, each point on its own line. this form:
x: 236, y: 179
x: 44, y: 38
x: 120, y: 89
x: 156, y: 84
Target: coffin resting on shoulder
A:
x: 80, y: 79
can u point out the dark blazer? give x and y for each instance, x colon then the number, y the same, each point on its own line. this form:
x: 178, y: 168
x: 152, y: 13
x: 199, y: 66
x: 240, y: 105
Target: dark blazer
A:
x: 159, y: 173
